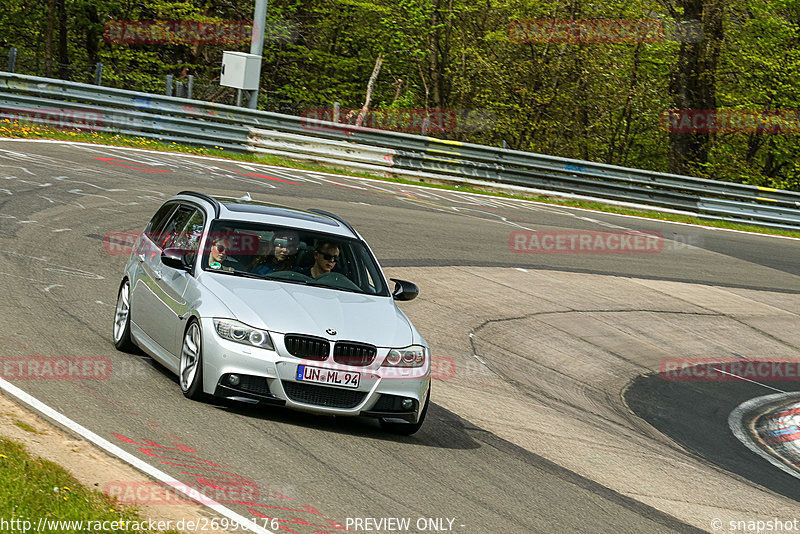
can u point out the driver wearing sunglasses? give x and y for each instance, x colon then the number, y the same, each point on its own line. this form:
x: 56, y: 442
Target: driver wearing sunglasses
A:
x: 326, y: 256
x: 218, y: 255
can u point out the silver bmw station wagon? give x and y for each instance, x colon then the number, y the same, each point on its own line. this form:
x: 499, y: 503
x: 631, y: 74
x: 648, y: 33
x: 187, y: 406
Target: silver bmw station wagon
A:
x: 264, y: 304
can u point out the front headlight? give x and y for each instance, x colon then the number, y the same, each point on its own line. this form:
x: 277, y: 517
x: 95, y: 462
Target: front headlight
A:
x: 241, y: 333
x: 413, y: 356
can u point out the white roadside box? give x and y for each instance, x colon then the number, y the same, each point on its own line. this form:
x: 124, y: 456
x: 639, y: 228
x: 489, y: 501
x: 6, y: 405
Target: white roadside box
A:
x: 240, y: 70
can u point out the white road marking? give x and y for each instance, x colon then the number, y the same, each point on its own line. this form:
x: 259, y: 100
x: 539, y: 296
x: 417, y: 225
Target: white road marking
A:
x: 75, y: 272
x: 20, y: 221
x: 500, y: 217
x: 479, y: 359
x: 602, y: 223
x: 144, y: 159
x: 59, y: 268
x: 748, y: 380
x: 283, y: 174
x: 522, y: 202
x: 29, y: 182
x: 350, y: 186
x: 80, y: 192
x: 17, y: 167
x: 24, y: 278
x: 129, y: 458
x: 68, y: 179
x: 250, y: 180
x: 52, y: 286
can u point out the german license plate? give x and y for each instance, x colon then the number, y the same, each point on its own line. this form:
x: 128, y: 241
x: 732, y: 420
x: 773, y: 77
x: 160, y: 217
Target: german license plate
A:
x: 328, y: 376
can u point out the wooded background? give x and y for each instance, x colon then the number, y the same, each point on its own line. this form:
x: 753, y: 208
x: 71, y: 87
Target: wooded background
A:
x: 593, y: 101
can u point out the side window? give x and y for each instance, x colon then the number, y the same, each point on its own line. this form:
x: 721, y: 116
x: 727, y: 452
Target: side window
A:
x: 171, y: 231
x: 188, y: 237
x: 159, y: 219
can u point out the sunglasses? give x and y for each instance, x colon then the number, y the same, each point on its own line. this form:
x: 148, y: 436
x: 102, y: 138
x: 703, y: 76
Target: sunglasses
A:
x: 283, y: 242
x: 220, y: 247
x: 329, y: 257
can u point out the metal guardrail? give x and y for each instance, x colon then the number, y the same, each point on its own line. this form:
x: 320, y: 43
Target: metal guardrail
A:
x: 75, y: 105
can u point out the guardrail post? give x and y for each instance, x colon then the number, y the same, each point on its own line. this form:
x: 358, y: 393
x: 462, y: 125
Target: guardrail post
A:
x: 190, y: 87
x: 98, y: 74
x: 12, y: 59
x: 336, y: 110
x: 168, y: 88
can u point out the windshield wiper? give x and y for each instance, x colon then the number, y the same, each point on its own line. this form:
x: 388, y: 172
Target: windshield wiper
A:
x: 288, y: 280
x: 335, y: 287
x: 248, y: 274
x: 240, y: 273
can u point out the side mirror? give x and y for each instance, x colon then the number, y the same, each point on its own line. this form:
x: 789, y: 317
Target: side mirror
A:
x: 404, y: 290
x: 176, y: 258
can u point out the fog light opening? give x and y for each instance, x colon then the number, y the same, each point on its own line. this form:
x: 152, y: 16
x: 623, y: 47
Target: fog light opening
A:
x: 407, y: 404
x: 233, y: 380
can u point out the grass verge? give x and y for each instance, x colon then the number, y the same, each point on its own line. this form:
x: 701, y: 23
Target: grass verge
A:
x: 14, y: 129
x: 33, y: 488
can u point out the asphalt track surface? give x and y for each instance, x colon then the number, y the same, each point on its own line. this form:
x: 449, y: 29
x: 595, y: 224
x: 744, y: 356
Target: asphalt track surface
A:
x: 705, y: 431
x: 59, y: 284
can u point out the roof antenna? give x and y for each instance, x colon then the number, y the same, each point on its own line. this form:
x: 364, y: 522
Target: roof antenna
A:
x: 246, y: 196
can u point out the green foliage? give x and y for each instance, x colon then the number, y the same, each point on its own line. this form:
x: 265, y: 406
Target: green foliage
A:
x: 32, y: 488
x: 597, y: 101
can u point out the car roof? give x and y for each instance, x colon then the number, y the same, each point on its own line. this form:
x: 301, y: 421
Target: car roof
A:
x: 248, y: 209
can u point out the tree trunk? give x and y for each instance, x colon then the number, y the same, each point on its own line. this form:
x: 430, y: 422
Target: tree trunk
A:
x: 63, y: 56
x: 370, y: 87
x: 48, y: 38
x: 693, y: 82
x: 92, y: 35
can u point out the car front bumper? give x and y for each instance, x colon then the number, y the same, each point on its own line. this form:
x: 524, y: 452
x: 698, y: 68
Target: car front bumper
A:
x: 270, y: 377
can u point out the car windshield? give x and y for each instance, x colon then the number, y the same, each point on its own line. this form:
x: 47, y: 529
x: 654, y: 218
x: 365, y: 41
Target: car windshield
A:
x: 292, y: 255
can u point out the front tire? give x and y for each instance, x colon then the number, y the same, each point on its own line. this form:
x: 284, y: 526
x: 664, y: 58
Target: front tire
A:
x: 406, y: 429
x: 190, y: 373
x: 122, y: 319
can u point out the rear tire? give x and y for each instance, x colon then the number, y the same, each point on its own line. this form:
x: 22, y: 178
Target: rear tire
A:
x: 122, y: 319
x: 406, y: 429
x: 190, y: 375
